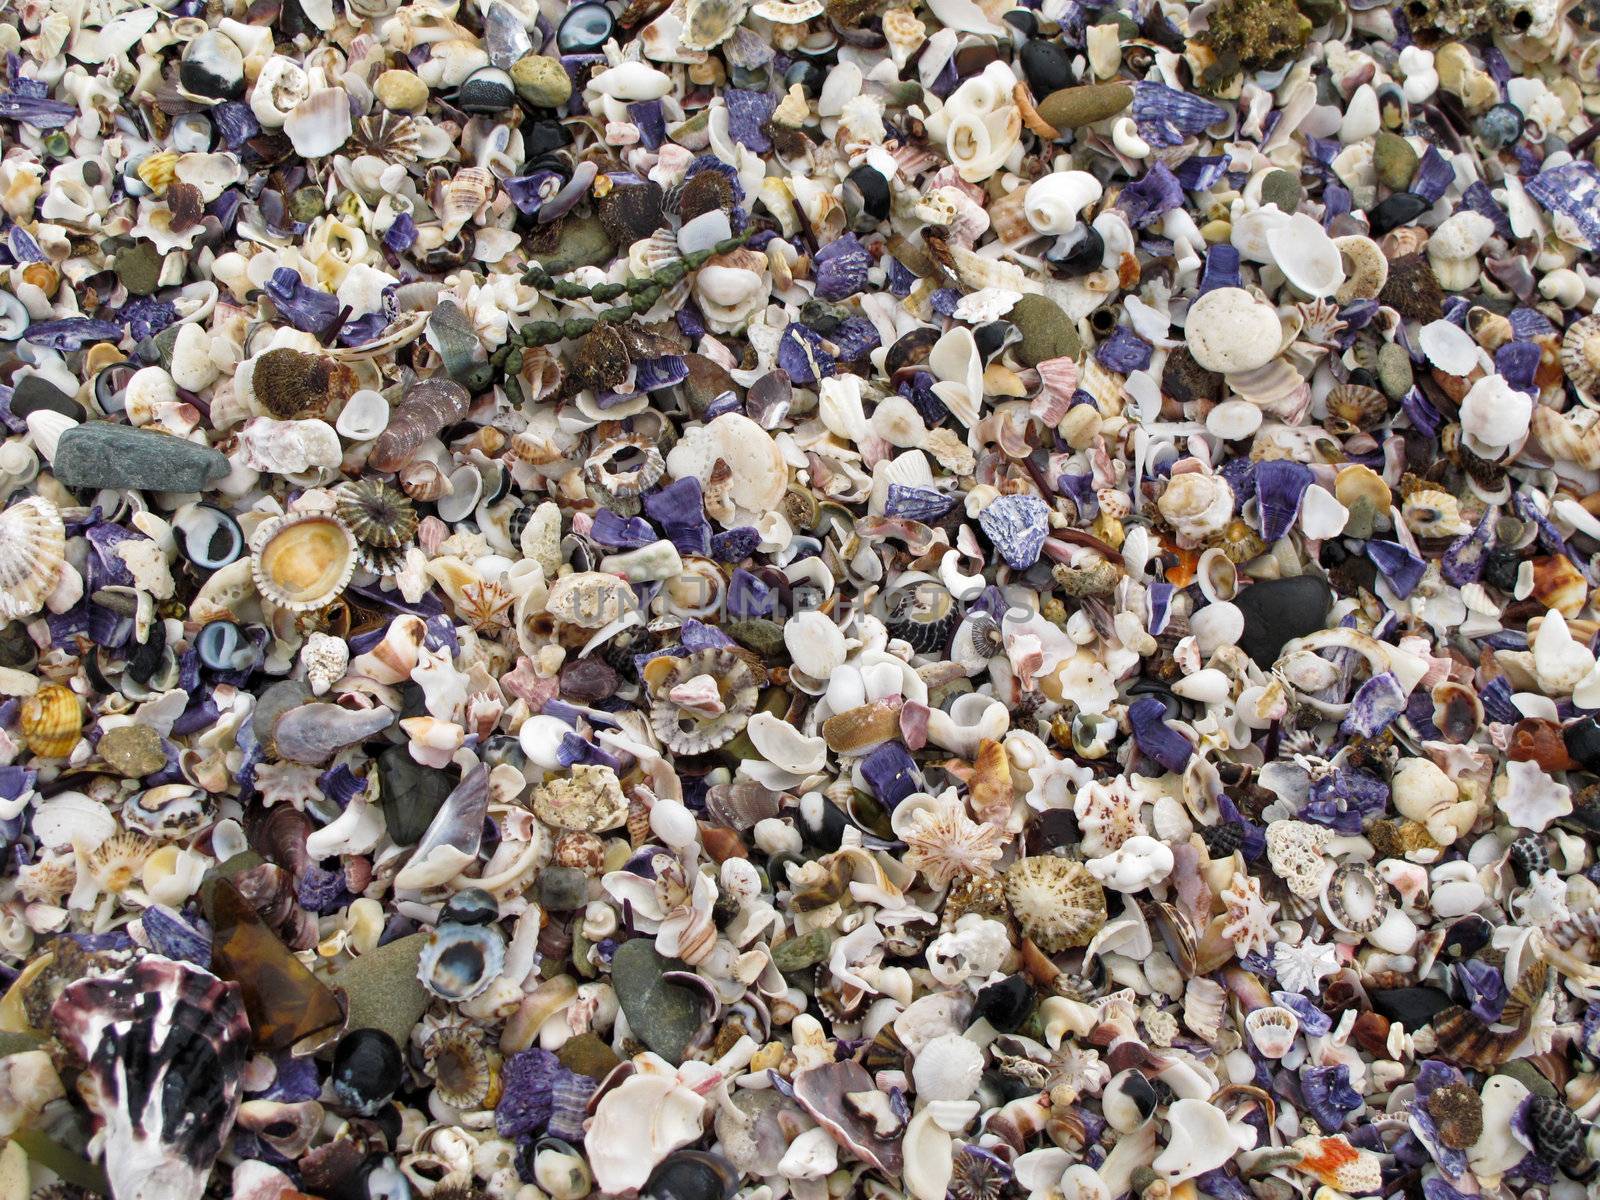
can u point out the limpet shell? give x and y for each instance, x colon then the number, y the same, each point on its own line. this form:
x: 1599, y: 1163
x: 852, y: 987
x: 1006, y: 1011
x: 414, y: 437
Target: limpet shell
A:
x: 459, y: 962
x: 303, y: 563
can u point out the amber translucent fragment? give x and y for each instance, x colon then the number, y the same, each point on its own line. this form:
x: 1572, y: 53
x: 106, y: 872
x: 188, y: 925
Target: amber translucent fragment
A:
x: 285, y: 1001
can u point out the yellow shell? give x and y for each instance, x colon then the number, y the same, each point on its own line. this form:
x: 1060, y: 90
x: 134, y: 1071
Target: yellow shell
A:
x: 302, y: 563
x: 52, y: 721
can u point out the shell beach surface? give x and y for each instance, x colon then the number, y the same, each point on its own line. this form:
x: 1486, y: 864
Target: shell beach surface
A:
x: 890, y: 599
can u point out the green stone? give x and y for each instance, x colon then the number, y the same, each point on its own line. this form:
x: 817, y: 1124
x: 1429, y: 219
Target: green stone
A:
x: 542, y: 82
x: 1074, y: 107
x: 1046, y: 331
x: 411, y: 794
x: 662, y: 1015
x: 1394, y: 370
x: 1396, y: 160
x: 138, y: 268
x: 801, y: 952
x: 382, y: 989
x: 759, y: 636
x: 587, y: 1055
x: 1283, y: 189
x: 582, y: 242
x: 102, y: 455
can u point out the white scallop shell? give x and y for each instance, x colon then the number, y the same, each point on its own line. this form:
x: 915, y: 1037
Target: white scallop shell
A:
x: 71, y: 818
x: 32, y: 550
x: 1449, y: 347
x: 320, y: 123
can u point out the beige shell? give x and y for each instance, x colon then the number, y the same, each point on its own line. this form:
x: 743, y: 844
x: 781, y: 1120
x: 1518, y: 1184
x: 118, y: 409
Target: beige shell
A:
x: 52, y: 721
x: 1057, y: 902
x: 302, y: 563
x: 33, y: 546
x: 590, y: 599
x: 1580, y: 353
x: 463, y: 197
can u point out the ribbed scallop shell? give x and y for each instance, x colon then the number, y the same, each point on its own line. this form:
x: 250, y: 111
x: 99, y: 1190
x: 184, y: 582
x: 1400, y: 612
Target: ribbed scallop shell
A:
x: 52, y: 721
x: 33, y: 545
x: 1580, y: 353
x: 303, y: 563
x: 1358, y: 407
x: 378, y: 514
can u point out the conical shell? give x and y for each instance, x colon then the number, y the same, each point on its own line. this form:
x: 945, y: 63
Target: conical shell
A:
x: 52, y: 721
x: 302, y: 563
x: 33, y: 545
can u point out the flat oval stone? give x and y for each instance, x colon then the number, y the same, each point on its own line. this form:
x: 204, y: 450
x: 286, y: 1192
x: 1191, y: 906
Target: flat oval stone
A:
x: 1046, y: 331
x: 543, y: 82
x: 103, y: 455
x: 1073, y: 107
x: 1279, y: 610
x: 661, y: 1014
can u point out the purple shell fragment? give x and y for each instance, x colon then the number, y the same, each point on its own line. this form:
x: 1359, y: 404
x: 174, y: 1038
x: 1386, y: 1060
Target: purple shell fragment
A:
x: 840, y: 268
x: 1377, y: 703
x: 1156, y: 738
x: 72, y: 333
x: 917, y: 503
x: 1280, y: 486
x: 747, y: 112
x: 1017, y: 525
x: 1165, y: 115
x: 1571, y: 193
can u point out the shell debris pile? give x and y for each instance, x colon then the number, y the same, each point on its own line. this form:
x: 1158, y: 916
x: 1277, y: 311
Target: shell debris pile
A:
x: 903, y: 599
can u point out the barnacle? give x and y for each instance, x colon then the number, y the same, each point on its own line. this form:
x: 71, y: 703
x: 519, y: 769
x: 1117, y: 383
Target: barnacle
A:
x: 1056, y: 901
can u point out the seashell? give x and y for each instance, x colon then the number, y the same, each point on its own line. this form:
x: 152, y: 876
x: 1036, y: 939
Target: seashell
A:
x: 313, y: 733
x: 1200, y: 1138
x: 1309, y: 259
x: 1356, y: 407
x: 709, y: 23
x: 1057, y: 903
x: 788, y: 12
x: 288, y: 383
x: 463, y: 198
x: 1196, y: 505
x: 302, y: 563
x: 1366, y: 269
x: 1272, y: 1030
x: 637, y: 1124
x: 622, y: 469
x: 289, y: 447
x: 590, y: 599
x: 1055, y: 203
x: 781, y: 744
x: 168, y: 812
x: 163, y: 1046
x: 288, y: 1128
x: 208, y: 537
x: 692, y: 731
x: 375, y: 513
x: 453, y: 837
x: 588, y: 800
x: 364, y: 416
x: 1353, y: 898
x: 427, y: 408
x: 32, y: 552
x: 1580, y: 353
x: 816, y: 645
x: 1449, y: 347
x: 1280, y: 485
x: 459, y: 962
x: 320, y: 123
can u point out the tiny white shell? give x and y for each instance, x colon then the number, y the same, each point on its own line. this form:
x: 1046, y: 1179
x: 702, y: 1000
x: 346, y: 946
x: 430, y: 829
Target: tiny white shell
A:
x: 1449, y: 347
x: 781, y: 744
x: 1306, y: 255
x: 364, y: 416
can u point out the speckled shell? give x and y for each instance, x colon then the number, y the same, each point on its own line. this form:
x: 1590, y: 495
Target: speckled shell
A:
x: 33, y: 544
x: 1580, y: 353
x: 303, y: 563
x: 52, y: 721
x: 687, y: 732
x: 378, y: 514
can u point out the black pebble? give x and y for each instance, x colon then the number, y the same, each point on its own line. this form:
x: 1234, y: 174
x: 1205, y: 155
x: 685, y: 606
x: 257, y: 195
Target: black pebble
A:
x: 1583, y: 742
x: 1047, y: 67
x: 543, y: 137
x: 1500, y: 569
x: 1006, y: 1004
x: 691, y: 1175
x: 35, y: 394
x: 1413, y: 1007
x: 367, y: 1069
x: 1399, y: 209
x: 1278, y: 610
x: 585, y: 29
